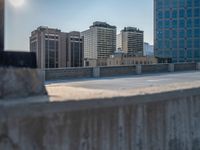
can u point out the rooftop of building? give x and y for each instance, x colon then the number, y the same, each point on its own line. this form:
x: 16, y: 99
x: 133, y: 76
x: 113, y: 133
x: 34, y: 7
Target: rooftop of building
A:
x: 132, y: 29
x: 102, y: 24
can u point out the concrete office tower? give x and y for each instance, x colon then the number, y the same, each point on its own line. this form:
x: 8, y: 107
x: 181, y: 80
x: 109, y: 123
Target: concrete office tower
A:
x: 177, y: 30
x: 99, y: 40
x: 2, y: 7
x: 131, y: 40
x: 50, y: 47
x: 74, y: 49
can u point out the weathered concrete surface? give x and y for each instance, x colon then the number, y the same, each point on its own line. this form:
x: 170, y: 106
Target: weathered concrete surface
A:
x: 162, y: 118
x: 21, y: 82
x: 96, y: 72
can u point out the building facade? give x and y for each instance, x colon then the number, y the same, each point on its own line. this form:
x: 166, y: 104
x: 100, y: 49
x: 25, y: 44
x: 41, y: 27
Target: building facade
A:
x: 120, y: 58
x: 2, y: 7
x: 131, y: 40
x: 177, y: 30
x: 99, y: 41
x: 56, y: 49
x: 148, y: 49
x: 74, y: 49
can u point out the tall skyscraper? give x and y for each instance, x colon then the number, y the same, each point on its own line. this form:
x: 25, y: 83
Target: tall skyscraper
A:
x: 74, y: 49
x: 131, y: 40
x: 177, y: 30
x: 56, y: 49
x: 2, y: 7
x: 99, y: 40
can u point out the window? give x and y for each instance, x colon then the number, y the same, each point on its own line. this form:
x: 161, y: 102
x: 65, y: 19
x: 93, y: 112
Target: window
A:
x: 174, y: 34
x: 189, y: 43
x: 196, y: 43
x: 189, y: 3
x: 197, y: 33
x: 182, y: 13
x: 189, y: 33
x: 196, y: 3
x: 174, y: 24
x: 181, y: 33
x: 167, y: 24
x: 181, y: 44
x: 167, y: 34
x: 167, y: 14
x: 174, y: 14
x: 189, y: 13
x: 197, y: 23
x: 182, y: 23
x: 197, y: 12
x: 189, y: 23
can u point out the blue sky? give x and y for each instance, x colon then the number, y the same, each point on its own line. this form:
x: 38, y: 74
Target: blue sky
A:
x: 70, y: 15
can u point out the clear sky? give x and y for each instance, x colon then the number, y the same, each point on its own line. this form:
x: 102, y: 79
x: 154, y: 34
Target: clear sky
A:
x: 70, y: 15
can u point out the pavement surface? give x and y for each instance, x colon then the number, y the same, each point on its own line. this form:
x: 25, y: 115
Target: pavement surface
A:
x: 130, y: 82
x: 114, y: 87
x: 121, y: 86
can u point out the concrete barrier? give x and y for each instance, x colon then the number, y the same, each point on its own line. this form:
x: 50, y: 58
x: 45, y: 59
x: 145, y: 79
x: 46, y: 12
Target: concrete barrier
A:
x: 23, y: 82
x: 184, y: 66
x: 96, y: 72
x: 155, y: 68
x: 158, y: 121
x: 68, y: 73
x: 198, y: 66
x: 171, y: 68
x: 117, y: 71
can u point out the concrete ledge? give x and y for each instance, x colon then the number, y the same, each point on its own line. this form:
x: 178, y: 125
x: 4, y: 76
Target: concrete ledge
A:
x: 17, y: 83
x: 109, y: 71
x: 171, y: 68
x: 157, y: 120
x: 96, y: 72
x: 198, y: 66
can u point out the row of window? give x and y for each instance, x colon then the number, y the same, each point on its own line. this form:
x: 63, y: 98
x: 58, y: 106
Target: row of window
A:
x: 178, y: 44
x: 180, y: 54
x: 181, y: 13
x: 176, y: 3
x: 189, y: 23
x: 171, y: 34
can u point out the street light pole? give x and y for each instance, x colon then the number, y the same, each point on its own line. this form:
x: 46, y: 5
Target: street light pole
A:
x: 2, y: 8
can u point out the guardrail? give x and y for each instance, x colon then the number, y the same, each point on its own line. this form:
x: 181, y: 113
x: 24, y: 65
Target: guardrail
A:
x: 96, y: 72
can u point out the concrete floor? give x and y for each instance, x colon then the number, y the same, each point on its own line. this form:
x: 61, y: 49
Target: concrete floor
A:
x: 130, y: 82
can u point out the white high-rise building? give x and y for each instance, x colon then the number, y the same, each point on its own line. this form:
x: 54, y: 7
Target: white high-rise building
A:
x: 99, y: 40
x: 130, y: 40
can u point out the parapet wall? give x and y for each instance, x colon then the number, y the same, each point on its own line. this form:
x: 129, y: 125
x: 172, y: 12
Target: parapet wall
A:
x: 68, y: 73
x: 159, y: 121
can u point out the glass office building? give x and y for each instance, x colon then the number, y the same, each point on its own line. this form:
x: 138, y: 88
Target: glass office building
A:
x: 177, y: 30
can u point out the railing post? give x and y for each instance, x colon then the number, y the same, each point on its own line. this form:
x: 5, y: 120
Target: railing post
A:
x: 171, y: 67
x: 138, y: 69
x: 198, y: 66
x: 96, y: 72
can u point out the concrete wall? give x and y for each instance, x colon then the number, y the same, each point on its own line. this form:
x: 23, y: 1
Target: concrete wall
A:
x: 68, y: 73
x: 24, y: 82
x: 159, y: 68
x: 117, y: 70
x: 162, y: 121
x: 185, y: 66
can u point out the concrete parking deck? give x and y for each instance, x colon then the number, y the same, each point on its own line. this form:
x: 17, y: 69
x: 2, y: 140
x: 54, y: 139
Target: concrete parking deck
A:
x: 121, y: 86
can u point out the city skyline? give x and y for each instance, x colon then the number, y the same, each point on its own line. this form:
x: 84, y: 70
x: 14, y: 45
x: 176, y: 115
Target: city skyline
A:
x: 73, y: 16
